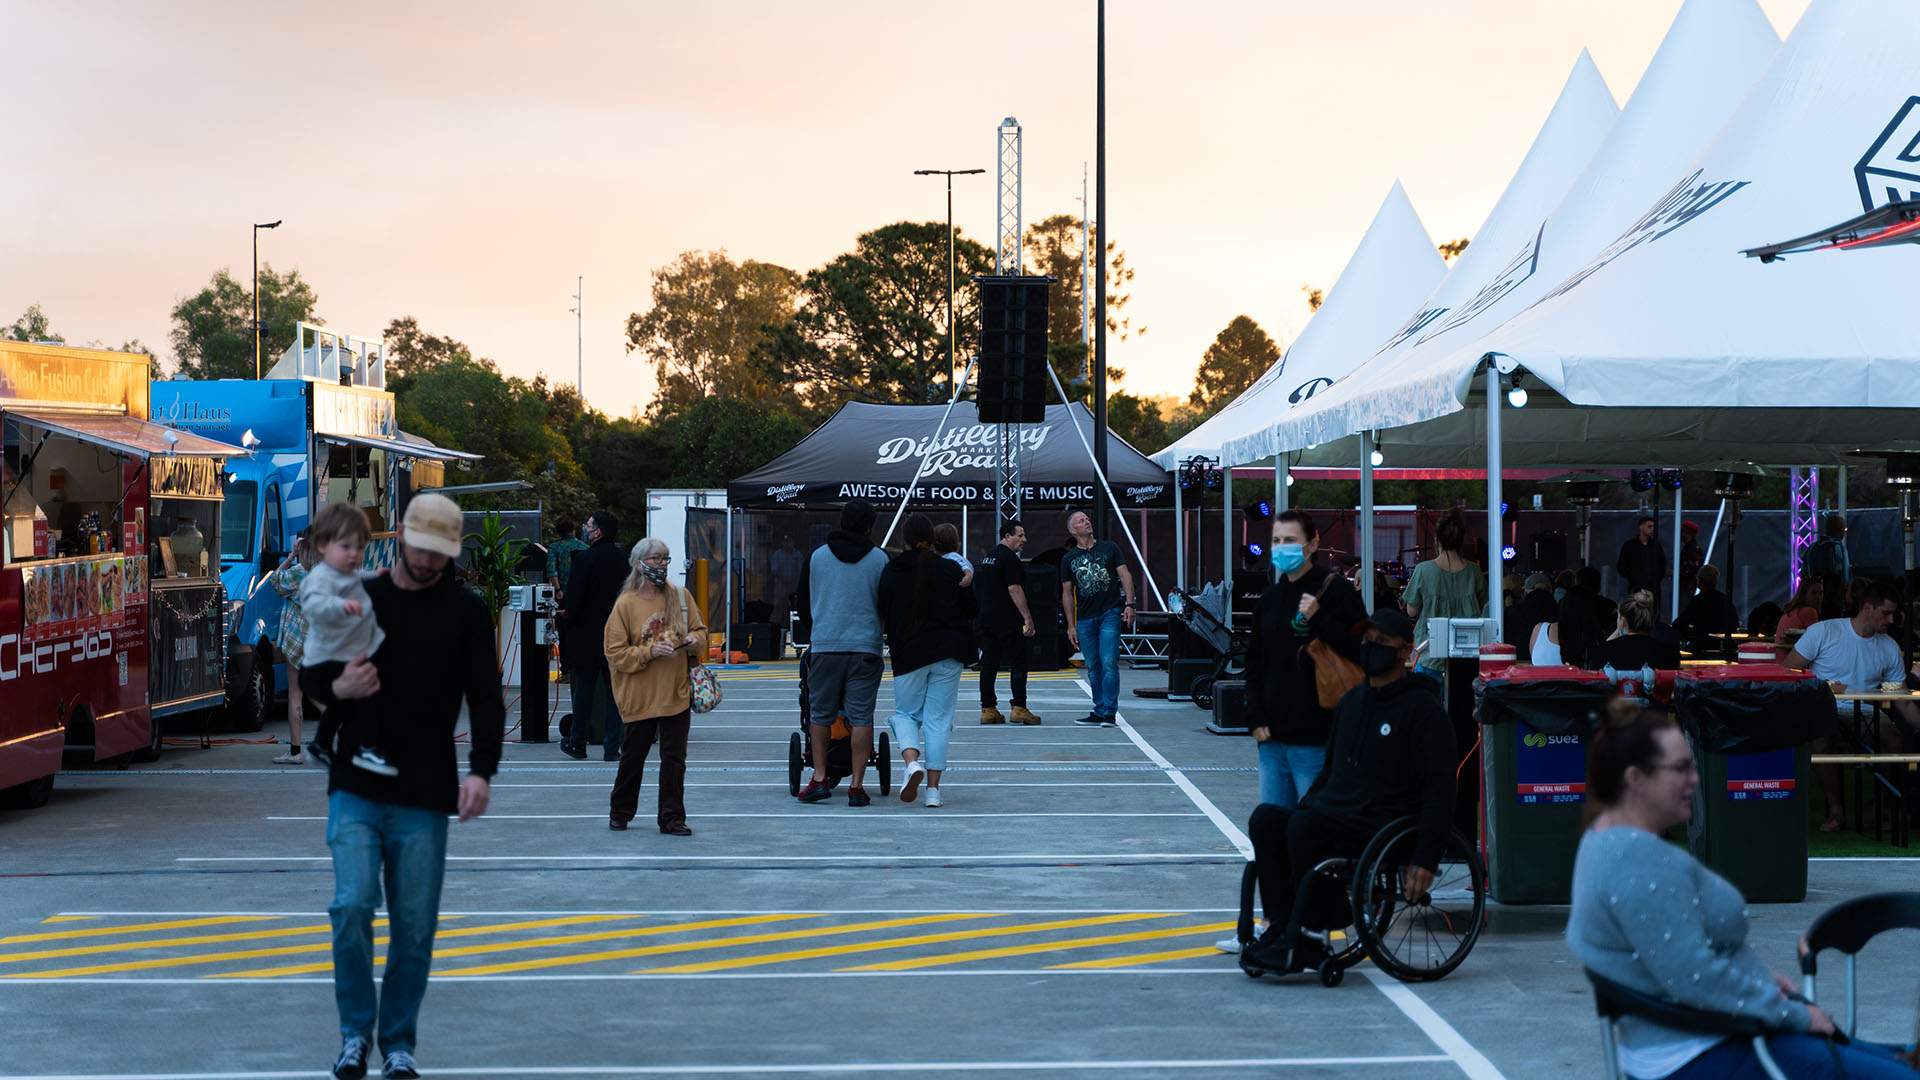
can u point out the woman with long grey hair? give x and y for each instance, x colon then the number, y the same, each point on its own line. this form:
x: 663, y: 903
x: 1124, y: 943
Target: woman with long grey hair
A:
x: 654, y: 635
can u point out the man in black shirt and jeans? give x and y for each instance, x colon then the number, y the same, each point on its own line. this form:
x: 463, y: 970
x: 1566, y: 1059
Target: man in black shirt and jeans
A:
x: 439, y: 651
x: 1006, y: 624
x: 1392, y: 755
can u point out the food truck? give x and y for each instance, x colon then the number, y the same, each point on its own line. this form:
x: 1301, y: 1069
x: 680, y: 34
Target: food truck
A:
x: 321, y: 427
x: 112, y: 615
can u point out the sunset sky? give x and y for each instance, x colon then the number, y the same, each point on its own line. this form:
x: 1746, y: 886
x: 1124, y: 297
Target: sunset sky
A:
x: 462, y: 163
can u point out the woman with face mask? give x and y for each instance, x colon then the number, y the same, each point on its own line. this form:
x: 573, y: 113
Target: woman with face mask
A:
x: 653, y: 634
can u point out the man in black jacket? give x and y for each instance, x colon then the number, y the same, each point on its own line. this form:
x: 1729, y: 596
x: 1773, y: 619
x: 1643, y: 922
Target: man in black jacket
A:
x: 593, y: 584
x: 1643, y: 562
x: 1393, y: 754
x: 438, y: 652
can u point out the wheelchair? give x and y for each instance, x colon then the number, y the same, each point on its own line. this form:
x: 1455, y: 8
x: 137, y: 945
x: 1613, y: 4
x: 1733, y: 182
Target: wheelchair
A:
x: 1356, y: 909
x: 839, y: 748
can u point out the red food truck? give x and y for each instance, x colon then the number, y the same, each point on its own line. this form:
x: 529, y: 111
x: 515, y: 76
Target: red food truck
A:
x: 111, y: 612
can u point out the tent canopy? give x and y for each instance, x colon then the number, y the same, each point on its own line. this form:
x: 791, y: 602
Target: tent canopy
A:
x: 872, y: 451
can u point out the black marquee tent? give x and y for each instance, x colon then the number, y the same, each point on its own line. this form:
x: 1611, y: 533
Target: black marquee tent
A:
x: 871, y: 451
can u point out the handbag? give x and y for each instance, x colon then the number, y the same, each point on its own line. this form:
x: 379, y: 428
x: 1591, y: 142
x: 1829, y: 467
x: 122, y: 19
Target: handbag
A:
x: 703, y: 684
x: 1333, y: 674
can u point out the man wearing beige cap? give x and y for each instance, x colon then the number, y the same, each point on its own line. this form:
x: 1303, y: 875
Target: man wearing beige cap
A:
x: 438, y: 652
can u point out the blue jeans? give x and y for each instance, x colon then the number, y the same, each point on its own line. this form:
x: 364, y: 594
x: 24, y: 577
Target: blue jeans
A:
x: 923, y: 707
x: 1100, y: 646
x: 1287, y: 771
x: 411, y: 842
x: 1803, y: 1057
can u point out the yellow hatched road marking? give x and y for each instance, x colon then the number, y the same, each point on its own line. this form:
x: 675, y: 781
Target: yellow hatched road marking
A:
x: 1138, y: 958
x: 285, y: 950
x: 1045, y: 947
x: 900, y: 943
x: 134, y: 928
x: 711, y: 943
x: 67, y: 918
x: 163, y: 943
x: 528, y: 943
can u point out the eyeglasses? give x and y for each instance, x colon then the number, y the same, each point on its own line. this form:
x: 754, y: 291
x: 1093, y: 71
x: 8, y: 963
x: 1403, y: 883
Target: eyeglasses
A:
x: 661, y: 560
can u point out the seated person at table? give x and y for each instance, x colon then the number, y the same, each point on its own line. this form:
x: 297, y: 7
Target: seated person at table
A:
x: 1854, y: 654
x: 1708, y: 613
x: 1634, y: 646
x: 1392, y: 754
x: 1649, y: 917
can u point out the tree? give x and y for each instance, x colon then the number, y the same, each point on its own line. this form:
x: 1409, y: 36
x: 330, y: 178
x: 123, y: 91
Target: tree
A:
x: 710, y: 326
x: 33, y: 325
x: 1315, y: 296
x: 873, y: 322
x: 411, y: 351
x: 210, y: 337
x: 1052, y: 247
x: 1238, y: 356
x: 1138, y: 421
x: 721, y: 438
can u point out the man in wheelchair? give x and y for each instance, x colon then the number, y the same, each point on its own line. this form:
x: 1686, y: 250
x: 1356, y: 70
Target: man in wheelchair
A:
x: 1392, y: 755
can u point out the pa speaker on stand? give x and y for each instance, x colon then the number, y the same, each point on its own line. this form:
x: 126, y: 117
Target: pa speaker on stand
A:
x: 1013, y: 376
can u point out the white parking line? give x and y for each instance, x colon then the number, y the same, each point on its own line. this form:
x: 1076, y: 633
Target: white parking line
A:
x: 1042, y: 857
x: 836, y: 814
x: 873, y: 1068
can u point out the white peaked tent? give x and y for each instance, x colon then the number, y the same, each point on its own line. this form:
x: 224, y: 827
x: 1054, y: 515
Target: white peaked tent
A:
x: 1711, y: 56
x: 1578, y: 122
x: 1393, y: 267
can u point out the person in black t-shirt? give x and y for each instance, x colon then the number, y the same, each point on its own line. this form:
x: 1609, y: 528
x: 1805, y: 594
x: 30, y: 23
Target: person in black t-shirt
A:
x: 1006, y: 624
x: 1636, y: 646
x: 1709, y: 614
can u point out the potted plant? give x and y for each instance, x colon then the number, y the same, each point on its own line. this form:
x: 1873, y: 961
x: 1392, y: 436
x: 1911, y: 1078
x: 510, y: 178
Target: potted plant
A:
x: 493, y: 567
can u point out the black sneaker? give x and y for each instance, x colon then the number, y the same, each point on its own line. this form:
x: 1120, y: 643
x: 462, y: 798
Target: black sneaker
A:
x: 352, y: 1062
x: 1108, y: 721
x: 320, y: 755
x: 400, y: 1066
x: 578, y: 753
x: 816, y: 791
x: 1089, y: 720
x: 857, y: 796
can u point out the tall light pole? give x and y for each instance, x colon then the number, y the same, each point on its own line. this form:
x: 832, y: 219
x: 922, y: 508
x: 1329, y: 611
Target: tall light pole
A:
x: 952, y: 379
x: 1100, y: 248
x: 257, y: 335
x: 580, y: 339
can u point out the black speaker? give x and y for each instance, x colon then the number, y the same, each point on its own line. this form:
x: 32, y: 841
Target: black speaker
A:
x: 1182, y: 674
x: 1229, y: 707
x: 1012, y: 384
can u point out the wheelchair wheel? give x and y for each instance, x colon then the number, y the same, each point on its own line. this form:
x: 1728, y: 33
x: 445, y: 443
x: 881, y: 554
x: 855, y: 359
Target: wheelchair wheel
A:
x: 1331, y: 973
x: 796, y: 761
x: 1423, y: 940
x: 883, y: 763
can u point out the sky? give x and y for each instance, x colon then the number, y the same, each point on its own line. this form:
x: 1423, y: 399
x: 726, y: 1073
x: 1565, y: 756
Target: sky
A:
x: 464, y: 163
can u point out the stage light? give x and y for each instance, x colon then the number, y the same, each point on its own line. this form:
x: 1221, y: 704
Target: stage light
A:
x: 1507, y: 553
x: 1672, y: 479
x: 1256, y: 551
x: 1258, y: 510
x: 1643, y: 479
x: 1517, y: 397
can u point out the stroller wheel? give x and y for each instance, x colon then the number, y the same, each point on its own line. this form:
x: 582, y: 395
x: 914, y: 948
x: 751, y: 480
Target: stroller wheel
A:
x: 796, y: 760
x: 884, y: 763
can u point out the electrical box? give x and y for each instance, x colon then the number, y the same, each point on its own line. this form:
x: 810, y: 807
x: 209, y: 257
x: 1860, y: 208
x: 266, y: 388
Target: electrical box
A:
x: 531, y: 598
x: 1459, y: 639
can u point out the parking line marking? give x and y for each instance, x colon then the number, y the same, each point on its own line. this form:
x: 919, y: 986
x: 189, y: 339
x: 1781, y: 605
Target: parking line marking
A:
x: 1049, y: 858
x: 1138, y: 959
x: 538, y: 943
x: 63, y: 918
x: 789, y: 1069
x: 843, y: 814
x: 108, y: 931
x: 735, y: 963
x: 709, y: 943
x: 1179, y: 778
x: 918, y: 962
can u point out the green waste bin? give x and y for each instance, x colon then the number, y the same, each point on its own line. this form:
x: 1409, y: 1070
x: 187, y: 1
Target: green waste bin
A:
x: 1534, y: 724
x: 1749, y: 726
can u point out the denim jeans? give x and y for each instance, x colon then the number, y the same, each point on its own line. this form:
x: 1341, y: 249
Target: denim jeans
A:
x: 923, y: 710
x: 403, y: 848
x: 1100, y: 646
x: 1803, y: 1057
x: 1287, y: 771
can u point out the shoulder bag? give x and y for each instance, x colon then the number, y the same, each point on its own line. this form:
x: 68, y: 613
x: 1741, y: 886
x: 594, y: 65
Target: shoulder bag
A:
x: 1333, y: 674
x: 703, y: 683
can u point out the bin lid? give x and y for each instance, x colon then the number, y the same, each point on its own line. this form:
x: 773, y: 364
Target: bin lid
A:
x: 1744, y: 673
x: 1534, y: 673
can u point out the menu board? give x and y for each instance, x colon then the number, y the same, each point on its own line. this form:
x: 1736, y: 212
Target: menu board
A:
x: 81, y: 595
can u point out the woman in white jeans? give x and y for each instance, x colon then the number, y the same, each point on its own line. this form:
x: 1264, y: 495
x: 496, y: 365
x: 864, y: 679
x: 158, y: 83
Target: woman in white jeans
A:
x: 929, y: 618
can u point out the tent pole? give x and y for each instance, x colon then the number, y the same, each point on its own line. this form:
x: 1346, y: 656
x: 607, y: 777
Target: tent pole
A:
x: 1366, y: 519
x: 920, y: 469
x: 1226, y: 529
x: 1281, y: 496
x: 727, y: 647
x: 963, y: 530
x: 1495, y: 494
x: 1179, y: 533
x: 1679, y: 514
x: 1840, y: 490
x: 1101, y: 474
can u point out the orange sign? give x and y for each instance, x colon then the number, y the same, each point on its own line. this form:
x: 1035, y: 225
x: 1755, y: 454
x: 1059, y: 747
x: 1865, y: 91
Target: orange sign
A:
x: 58, y: 375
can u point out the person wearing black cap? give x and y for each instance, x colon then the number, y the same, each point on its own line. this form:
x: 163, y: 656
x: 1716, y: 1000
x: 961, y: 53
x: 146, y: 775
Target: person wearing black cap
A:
x: 1392, y: 754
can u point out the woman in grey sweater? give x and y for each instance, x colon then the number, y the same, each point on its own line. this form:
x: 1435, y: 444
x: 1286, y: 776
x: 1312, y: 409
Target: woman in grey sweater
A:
x: 1646, y: 915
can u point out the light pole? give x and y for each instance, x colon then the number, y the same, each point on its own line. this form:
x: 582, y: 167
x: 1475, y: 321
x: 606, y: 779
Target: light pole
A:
x: 580, y: 339
x: 1100, y: 254
x: 949, y: 174
x: 256, y: 292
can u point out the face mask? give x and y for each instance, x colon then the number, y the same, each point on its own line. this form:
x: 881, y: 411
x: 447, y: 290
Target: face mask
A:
x: 1559, y: 595
x: 1377, y: 659
x: 655, y: 574
x: 1289, y: 557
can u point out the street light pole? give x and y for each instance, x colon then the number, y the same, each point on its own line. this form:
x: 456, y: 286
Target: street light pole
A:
x: 256, y: 292
x: 952, y: 380
x: 1100, y: 248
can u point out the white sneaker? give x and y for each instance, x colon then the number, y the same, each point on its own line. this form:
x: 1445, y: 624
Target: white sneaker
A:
x: 291, y: 757
x: 916, y: 773
x: 1232, y: 945
x: 933, y: 797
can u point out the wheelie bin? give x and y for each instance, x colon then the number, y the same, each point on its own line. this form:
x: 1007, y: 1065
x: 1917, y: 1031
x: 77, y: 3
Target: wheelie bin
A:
x: 1749, y: 726
x: 1534, y: 725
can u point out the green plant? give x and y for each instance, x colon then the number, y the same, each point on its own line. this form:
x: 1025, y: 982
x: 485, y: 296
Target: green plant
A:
x: 494, y: 566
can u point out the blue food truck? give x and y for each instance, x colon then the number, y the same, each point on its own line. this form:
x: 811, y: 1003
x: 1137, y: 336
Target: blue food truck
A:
x: 321, y: 427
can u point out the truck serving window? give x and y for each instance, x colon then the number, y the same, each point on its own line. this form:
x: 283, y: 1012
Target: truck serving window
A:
x: 236, y: 520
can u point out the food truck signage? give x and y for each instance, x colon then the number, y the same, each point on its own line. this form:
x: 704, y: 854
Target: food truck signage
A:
x: 56, y: 376
x: 79, y: 596
x: 186, y: 477
x: 339, y: 410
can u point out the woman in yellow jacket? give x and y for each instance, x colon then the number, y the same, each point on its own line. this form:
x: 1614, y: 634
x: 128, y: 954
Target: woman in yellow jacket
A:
x: 654, y: 634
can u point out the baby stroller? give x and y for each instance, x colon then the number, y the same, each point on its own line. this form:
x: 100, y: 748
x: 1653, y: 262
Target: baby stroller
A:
x: 1226, y: 645
x: 839, y: 747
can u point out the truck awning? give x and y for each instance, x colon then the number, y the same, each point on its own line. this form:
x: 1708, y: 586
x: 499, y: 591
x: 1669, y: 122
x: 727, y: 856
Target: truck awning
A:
x: 403, y: 447
x: 127, y: 434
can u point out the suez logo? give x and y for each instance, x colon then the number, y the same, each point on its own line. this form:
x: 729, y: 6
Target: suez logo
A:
x: 17, y: 659
x: 1536, y: 740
